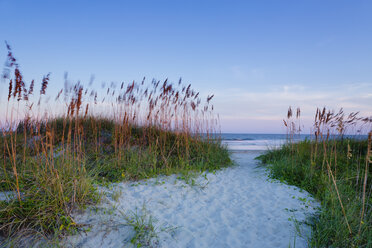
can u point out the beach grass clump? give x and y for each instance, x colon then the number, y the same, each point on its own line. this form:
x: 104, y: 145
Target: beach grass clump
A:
x: 335, y: 168
x: 146, y: 228
x: 47, y: 198
x: 54, y: 153
x: 148, y: 159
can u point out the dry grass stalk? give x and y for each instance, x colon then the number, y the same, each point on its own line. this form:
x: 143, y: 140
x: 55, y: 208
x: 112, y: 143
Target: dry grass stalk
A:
x: 368, y: 161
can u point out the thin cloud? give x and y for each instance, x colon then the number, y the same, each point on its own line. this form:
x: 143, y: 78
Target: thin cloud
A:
x: 272, y: 105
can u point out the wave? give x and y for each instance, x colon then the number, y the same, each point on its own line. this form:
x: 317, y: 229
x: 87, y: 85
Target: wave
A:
x: 237, y: 139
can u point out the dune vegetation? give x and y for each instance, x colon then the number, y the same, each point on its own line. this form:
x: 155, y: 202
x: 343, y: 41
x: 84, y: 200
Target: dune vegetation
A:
x: 335, y: 168
x: 54, y: 154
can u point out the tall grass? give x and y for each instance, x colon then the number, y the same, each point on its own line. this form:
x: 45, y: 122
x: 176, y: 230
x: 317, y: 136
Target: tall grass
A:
x: 335, y: 168
x: 51, y: 160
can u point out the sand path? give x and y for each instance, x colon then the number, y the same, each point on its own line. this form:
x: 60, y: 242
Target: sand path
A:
x: 235, y: 207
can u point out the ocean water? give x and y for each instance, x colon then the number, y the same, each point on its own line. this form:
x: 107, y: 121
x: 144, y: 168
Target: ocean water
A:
x: 254, y: 142
x: 263, y: 142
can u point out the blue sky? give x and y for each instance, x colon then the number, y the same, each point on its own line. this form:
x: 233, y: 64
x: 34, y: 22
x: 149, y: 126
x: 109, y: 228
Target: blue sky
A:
x: 258, y: 57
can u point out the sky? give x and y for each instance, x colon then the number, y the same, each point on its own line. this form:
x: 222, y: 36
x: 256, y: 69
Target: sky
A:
x: 257, y: 57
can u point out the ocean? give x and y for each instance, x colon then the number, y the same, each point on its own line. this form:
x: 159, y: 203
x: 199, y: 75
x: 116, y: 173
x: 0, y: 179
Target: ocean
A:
x: 263, y: 142
x: 255, y: 142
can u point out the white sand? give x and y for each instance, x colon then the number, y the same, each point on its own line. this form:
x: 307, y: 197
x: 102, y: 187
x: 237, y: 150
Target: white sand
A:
x: 239, y: 207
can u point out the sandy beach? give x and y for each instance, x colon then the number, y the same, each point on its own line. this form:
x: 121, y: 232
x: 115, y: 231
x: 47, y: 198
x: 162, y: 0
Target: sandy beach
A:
x: 234, y: 207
